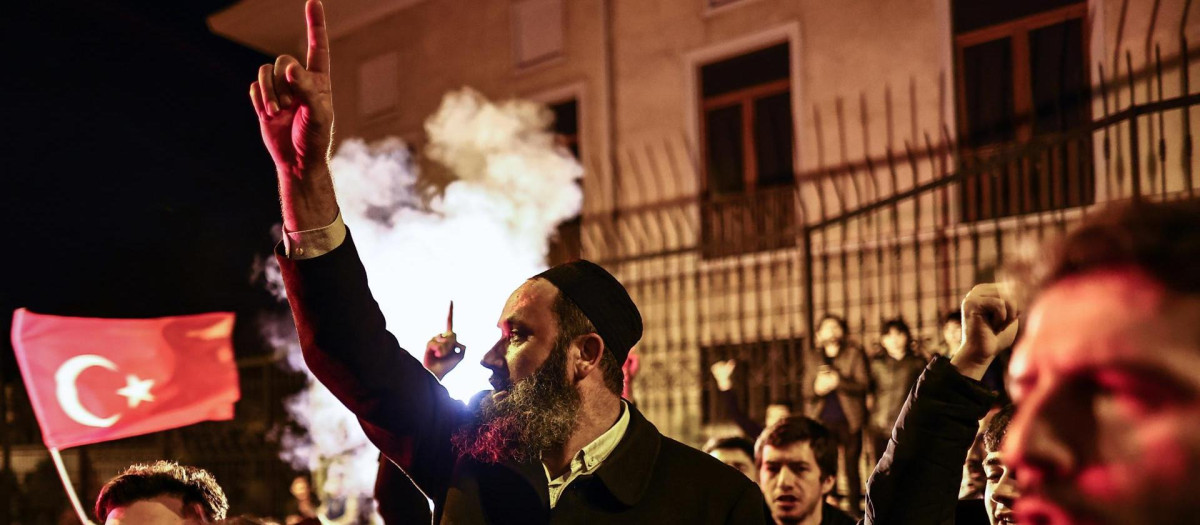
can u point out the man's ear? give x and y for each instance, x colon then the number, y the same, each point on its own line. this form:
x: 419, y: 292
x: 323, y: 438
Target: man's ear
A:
x: 591, y: 350
x: 827, y: 484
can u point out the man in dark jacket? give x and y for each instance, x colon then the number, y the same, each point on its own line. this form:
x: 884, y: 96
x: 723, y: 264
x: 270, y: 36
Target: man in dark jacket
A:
x: 554, y: 442
x: 893, y: 373
x: 835, y: 382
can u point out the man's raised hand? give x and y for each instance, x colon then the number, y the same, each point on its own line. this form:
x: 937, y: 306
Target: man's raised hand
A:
x: 989, y: 326
x: 722, y: 371
x: 444, y: 352
x: 294, y: 105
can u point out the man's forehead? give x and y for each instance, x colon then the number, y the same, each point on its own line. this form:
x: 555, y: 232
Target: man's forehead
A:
x: 533, y: 297
x: 159, y: 509
x: 1092, y: 319
x: 731, y: 454
x: 792, y: 452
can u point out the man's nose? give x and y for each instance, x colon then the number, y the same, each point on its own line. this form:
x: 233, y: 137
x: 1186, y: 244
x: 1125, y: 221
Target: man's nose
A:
x: 493, y: 359
x: 1006, y: 492
x: 786, y: 478
x: 1034, y: 445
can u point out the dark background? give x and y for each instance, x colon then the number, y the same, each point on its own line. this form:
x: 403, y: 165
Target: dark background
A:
x: 134, y: 183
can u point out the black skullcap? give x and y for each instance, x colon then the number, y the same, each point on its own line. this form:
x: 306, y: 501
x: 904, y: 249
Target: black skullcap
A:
x: 603, y: 300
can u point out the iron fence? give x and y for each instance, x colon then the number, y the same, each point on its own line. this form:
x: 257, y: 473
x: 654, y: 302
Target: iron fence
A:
x: 902, y: 234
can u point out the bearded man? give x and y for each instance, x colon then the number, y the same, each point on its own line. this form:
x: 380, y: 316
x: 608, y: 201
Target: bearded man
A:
x: 554, y: 442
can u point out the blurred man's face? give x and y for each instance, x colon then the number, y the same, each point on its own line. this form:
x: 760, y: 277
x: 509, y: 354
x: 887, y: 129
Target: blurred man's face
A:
x: 895, y: 343
x: 952, y: 334
x: 1001, y: 490
x: 792, y: 482
x: 736, y: 458
x: 161, y: 510
x: 1106, y: 380
x: 829, y: 333
x: 776, y: 412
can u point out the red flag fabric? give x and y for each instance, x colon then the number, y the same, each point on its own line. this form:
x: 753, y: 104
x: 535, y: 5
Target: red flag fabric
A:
x: 93, y: 380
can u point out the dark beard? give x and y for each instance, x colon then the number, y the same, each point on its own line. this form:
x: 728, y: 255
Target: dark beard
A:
x: 539, y: 413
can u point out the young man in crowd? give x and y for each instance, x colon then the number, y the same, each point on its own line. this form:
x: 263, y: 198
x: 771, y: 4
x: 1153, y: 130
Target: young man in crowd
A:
x: 797, y: 468
x: 735, y: 451
x: 951, y: 332
x: 554, y: 441
x: 1000, y: 492
x: 162, y: 492
x: 893, y: 373
x: 835, y: 382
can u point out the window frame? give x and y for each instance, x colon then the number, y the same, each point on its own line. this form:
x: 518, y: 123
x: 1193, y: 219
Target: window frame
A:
x: 1018, y: 31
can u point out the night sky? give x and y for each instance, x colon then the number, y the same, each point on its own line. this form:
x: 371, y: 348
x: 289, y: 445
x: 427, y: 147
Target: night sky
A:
x: 135, y: 183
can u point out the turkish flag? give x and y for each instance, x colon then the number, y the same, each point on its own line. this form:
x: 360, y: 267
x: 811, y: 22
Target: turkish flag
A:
x: 93, y: 380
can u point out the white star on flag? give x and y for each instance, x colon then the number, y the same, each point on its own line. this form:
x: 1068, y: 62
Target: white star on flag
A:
x: 136, y: 390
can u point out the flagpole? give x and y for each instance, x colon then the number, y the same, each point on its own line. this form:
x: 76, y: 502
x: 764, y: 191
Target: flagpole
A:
x: 62, y: 473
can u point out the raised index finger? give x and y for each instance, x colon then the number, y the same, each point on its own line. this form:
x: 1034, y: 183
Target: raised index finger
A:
x: 318, y: 39
x: 450, y: 319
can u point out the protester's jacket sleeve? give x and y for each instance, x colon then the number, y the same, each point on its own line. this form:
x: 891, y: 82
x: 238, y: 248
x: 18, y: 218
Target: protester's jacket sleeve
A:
x: 405, y: 411
x: 917, y: 479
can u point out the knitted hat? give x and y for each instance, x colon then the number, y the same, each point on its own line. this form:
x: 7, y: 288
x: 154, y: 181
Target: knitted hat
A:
x: 603, y: 300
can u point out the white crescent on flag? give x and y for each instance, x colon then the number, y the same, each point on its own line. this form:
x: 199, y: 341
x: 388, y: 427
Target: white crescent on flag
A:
x: 68, y: 395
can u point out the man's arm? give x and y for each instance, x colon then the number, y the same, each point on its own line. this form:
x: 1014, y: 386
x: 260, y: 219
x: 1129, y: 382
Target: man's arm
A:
x: 404, y: 410
x: 917, y: 479
x: 722, y: 372
x: 294, y: 105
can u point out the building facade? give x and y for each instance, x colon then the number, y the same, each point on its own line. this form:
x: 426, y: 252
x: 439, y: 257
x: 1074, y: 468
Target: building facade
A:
x: 752, y: 164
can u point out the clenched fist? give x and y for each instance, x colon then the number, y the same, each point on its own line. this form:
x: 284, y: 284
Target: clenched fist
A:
x: 989, y: 326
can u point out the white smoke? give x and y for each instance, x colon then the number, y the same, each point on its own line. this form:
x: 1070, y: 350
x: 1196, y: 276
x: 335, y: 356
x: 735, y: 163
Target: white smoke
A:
x: 473, y: 243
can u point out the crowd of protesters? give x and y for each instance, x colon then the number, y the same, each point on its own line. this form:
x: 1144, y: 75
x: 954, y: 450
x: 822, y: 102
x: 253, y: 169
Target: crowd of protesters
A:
x: 1103, y: 376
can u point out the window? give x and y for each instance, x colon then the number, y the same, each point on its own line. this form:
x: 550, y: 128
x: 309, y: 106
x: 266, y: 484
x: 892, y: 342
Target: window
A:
x: 1022, y: 79
x: 566, y: 245
x: 747, y: 140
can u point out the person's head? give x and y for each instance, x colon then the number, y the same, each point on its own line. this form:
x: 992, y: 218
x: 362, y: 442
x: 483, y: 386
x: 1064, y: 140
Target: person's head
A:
x: 777, y: 409
x: 896, y: 338
x: 1001, y: 492
x: 1106, y: 374
x: 952, y: 329
x: 162, y: 492
x: 301, y: 487
x: 831, y: 331
x: 564, y: 335
x: 797, y: 465
x: 735, y: 451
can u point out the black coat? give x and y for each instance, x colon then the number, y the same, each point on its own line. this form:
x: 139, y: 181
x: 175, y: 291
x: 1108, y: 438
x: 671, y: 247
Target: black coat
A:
x: 406, y: 412
x: 917, y: 479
